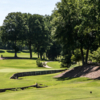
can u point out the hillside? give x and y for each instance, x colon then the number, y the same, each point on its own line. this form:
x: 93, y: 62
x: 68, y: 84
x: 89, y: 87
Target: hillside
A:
x: 90, y: 71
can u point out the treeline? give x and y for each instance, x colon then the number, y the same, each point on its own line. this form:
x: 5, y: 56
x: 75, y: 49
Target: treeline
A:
x: 34, y: 31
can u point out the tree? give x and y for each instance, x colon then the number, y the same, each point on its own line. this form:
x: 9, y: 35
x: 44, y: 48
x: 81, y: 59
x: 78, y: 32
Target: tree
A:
x: 12, y: 29
x: 29, y: 37
x: 95, y: 55
x: 76, y: 56
x: 54, y: 51
x: 41, y: 34
x: 36, y: 34
x: 77, y: 25
x: 65, y: 22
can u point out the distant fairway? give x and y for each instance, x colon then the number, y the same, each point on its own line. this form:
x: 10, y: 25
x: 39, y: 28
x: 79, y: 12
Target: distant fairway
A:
x: 10, y: 53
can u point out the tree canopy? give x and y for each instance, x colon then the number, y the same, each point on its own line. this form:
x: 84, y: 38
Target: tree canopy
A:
x: 12, y: 29
x: 77, y: 25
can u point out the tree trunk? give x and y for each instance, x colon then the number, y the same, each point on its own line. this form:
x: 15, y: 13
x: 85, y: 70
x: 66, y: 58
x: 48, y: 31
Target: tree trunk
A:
x: 30, y: 49
x: 82, y: 55
x: 15, y: 54
x: 15, y: 50
x: 87, y: 53
x: 38, y: 54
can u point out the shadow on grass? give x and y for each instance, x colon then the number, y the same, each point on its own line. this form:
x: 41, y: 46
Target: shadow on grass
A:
x: 9, y: 51
x: 45, y: 60
x: 70, y: 78
x: 20, y: 78
x: 1, y: 51
x: 12, y: 51
x: 25, y: 51
x: 63, y: 79
x: 34, y: 58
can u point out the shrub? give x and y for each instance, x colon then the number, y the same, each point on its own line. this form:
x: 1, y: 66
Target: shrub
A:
x: 76, y: 57
x: 66, y: 61
x: 95, y: 56
x: 39, y: 63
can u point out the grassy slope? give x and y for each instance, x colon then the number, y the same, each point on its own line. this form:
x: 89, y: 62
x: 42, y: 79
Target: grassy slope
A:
x: 54, y: 64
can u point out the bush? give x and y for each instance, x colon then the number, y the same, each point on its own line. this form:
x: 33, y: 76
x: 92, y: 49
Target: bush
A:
x: 95, y: 56
x: 39, y: 63
x: 66, y: 61
x: 76, y: 57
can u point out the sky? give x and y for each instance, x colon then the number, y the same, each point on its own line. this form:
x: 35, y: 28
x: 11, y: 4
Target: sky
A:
x: 42, y: 7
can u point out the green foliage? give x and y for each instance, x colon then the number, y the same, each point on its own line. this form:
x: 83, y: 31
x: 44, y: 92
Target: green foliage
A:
x: 54, y: 51
x: 77, y: 25
x: 39, y: 63
x: 76, y: 56
x: 66, y: 61
x: 95, y: 56
x: 15, y: 48
x: 12, y: 29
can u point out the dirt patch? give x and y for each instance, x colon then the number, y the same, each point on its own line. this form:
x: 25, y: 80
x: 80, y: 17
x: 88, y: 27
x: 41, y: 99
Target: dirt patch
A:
x: 1, y: 58
x: 90, y: 71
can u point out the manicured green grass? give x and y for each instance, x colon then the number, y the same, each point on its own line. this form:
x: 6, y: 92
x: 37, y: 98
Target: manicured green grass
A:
x: 57, y: 64
x: 18, y: 63
x: 58, y: 89
x: 52, y: 94
x: 54, y: 64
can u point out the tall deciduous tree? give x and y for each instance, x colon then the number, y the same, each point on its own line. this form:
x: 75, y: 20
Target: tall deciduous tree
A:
x: 41, y: 36
x: 12, y: 29
x: 29, y: 36
x: 54, y: 51
x: 77, y: 25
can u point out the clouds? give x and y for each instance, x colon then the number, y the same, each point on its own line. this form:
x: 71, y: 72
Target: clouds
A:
x: 26, y: 6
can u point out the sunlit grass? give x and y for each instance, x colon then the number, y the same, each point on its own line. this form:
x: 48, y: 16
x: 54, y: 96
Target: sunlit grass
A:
x: 57, y: 89
x: 54, y: 64
x: 10, y: 53
x: 57, y: 64
x: 18, y: 63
